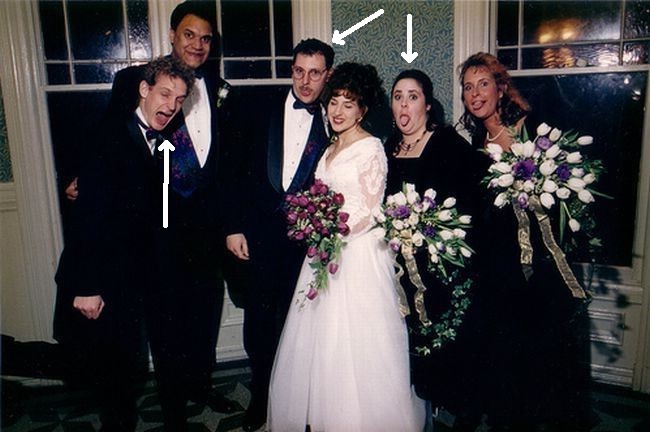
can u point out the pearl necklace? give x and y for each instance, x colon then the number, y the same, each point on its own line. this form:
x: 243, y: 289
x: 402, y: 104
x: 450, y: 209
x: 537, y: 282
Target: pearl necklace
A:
x: 407, y: 147
x: 494, y: 138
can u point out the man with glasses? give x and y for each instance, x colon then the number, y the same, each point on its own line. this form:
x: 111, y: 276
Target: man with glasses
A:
x: 281, y: 137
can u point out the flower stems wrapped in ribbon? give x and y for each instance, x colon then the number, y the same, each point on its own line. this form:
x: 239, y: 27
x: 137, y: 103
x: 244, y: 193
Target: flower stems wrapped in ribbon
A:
x: 314, y: 217
x: 411, y: 223
x: 539, y: 176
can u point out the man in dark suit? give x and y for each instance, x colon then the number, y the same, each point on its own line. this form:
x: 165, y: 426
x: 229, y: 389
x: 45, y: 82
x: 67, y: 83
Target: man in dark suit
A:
x: 184, y: 311
x: 282, y: 139
x: 118, y: 201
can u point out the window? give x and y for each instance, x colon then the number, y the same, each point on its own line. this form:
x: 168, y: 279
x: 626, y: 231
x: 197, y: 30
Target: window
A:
x: 583, y: 65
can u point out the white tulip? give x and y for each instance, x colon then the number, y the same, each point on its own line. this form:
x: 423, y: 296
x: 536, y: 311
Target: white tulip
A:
x: 410, y: 187
x: 444, y: 215
x: 555, y: 134
x: 430, y: 193
x: 563, y: 193
x: 585, y: 140
x: 390, y: 200
x: 446, y: 235
x: 547, y: 167
x: 460, y: 233
x: 449, y: 202
x: 418, y: 239
x: 400, y: 198
x: 452, y: 251
x: 574, y: 157
x: 440, y: 246
x: 465, y: 252
x: 517, y: 149
x: 528, y: 149
x: 543, y: 129
x: 576, y: 184
x: 549, y: 186
x: 432, y: 249
x: 585, y: 196
x: 577, y: 172
x: 574, y: 225
x: 589, y: 178
x: 495, y: 151
x: 500, y: 200
x: 553, y: 151
x: 398, y: 224
x: 380, y: 217
x: 465, y: 219
x: 412, y: 197
x: 501, y: 167
x: 434, y: 258
x: 505, y: 180
x: 547, y: 200
x: 529, y: 185
x: 413, y: 219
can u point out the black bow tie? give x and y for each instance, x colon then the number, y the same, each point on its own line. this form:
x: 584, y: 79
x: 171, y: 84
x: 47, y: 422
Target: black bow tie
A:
x: 310, y: 107
x: 152, y: 134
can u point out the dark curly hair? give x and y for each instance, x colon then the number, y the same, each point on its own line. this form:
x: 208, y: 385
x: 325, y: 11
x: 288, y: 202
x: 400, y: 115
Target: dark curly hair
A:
x: 358, y: 82
x: 511, y: 107
x: 171, y: 67
x: 312, y: 47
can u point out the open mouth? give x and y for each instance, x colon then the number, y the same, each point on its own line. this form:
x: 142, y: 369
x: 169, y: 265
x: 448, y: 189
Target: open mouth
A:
x: 404, y: 119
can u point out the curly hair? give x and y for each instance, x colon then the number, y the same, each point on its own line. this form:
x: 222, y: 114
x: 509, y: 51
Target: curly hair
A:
x: 199, y: 8
x: 358, y: 82
x: 312, y: 47
x: 171, y: 67
x: 511, y: 107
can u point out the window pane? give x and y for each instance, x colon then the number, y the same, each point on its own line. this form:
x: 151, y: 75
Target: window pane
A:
x: 283, y: 68
x: 570, y: 56
x: 245, y: 27
x: 584, y: 103
x: 139, y: 42
x: 58, y: 74
x: 637, y: 19
x: 508, y: 22
x: 283, y: 27
x: 53, y: 28
x: 635, y: 53
x: 96, y: 29
x: 508, y: 58
x: 247, y: 69
x: 569, y: 21
x: 96, y: 73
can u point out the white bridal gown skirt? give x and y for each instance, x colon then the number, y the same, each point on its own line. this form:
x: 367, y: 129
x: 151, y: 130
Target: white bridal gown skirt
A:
x: 342, y: 363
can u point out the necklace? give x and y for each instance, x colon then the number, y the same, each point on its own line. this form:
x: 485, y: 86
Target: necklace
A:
x: 407, y: 147
x: 489, y: 138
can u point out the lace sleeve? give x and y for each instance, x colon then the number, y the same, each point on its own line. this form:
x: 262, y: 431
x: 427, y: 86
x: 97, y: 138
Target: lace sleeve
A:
x: 371, y: 186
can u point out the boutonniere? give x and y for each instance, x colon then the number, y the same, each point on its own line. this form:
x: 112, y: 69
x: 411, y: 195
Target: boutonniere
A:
x: 222, y: 94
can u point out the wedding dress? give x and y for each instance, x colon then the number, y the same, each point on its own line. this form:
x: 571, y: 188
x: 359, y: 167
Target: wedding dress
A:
x: 342, y: 364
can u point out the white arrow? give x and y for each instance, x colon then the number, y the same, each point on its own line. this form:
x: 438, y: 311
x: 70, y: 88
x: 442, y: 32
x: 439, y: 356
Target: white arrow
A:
x: 166, y: 146
x: 337, y: 37
x: 409, y: 56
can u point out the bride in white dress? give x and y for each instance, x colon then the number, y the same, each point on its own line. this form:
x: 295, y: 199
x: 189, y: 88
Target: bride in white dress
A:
x: 342, y: 363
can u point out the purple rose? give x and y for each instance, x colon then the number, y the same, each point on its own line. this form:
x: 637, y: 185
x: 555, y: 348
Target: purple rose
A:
x: 343, y: 216
x: 429, y: 231
x: 543, y: 143
x: 402, y: 212
x: 311, y: 208
x: 312, y: 251
x: 324, y: 256
x: 525, y: 169
x: 292, y: 217
x: 303, y: 201
x: 324, y: 231
x: 333, y: 268
x: 563, y: 172
x: 299, y: 235
x: 338, y: 199
x: 343, y: 228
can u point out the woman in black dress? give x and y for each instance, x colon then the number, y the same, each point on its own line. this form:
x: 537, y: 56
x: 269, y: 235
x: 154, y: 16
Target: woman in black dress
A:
x: 535, y: 374
x: 429, y: 154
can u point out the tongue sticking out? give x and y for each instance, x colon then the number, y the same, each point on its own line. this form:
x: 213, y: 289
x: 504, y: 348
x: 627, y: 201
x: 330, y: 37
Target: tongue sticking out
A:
x: 404, y: 119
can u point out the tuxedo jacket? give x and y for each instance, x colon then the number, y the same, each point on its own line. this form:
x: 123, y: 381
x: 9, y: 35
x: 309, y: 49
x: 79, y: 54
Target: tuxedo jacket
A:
x: 193, y: 244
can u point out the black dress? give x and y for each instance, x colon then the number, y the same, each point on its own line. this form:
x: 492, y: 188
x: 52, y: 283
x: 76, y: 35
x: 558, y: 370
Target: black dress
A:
x: 535, y: 358
x: 445, y: 377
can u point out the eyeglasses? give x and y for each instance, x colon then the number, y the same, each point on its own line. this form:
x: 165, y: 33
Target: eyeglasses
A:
x: 314, y: 74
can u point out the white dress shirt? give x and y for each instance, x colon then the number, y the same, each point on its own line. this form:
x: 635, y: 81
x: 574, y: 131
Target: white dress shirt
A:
x: 150, y: 142
x: 196, y: 109
x: 297, y: 124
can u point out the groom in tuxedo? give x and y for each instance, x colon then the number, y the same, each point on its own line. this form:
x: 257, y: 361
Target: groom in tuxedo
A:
x: 281, y: 136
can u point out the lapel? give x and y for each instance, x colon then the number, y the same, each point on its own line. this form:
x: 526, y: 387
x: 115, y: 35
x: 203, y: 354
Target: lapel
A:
x: 136, y: 136
x: 275, y: 150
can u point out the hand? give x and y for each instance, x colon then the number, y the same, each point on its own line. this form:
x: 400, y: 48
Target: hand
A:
x: 237, y: 244
x: 71, y: 192
x: 89, y: 306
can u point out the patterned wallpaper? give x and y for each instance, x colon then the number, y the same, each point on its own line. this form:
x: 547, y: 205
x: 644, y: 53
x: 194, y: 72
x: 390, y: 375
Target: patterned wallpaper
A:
x: 5, y: 160
x: 382, y: 41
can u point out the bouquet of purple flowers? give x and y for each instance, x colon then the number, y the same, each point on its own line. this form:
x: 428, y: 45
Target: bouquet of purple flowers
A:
x: 314, y: 216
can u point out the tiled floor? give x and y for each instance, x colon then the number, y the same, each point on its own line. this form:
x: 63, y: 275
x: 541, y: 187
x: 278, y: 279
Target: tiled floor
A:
x: 43, y: 406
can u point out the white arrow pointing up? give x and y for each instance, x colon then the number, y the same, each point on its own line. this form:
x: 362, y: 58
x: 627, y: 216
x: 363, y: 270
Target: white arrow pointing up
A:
x: 166, y: 146
x: 337, y: 37
x: 409, y: 56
